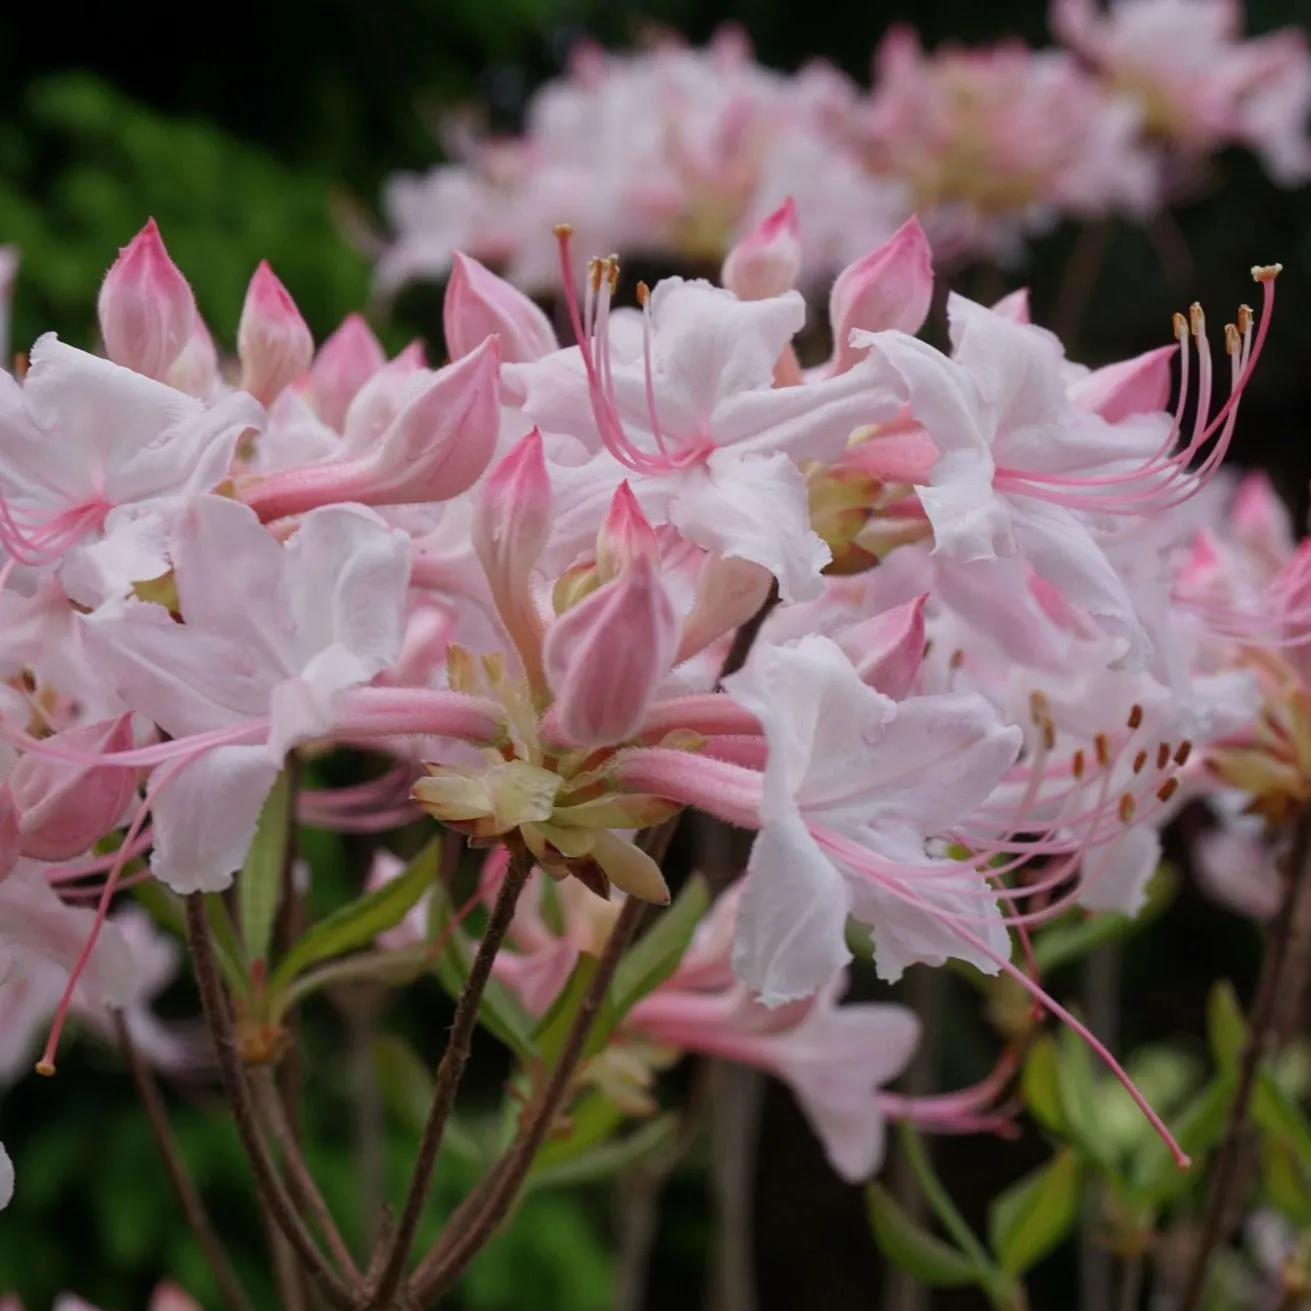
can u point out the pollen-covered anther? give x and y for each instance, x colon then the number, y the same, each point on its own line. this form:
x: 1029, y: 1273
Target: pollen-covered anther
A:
x: 1180, y: 327
x: 1139, y: 761
x: 1076, y: 764
x: 1233, y: 339
x: 1037, y: 701
x: 643, y: 294
x: 594, y: 274
x: 1266, y: 272
x: 1127, y: 808
x: 1197, y: 320
x: 1162, y: 755
x: 1167, y: 789
x: 562, y: 231
x: 1181, y: 755
x: 1048, y: 732
x: 1135, y: 715
x: 1103, y: 745
x: 1246, y: 317
x: 958, y: 659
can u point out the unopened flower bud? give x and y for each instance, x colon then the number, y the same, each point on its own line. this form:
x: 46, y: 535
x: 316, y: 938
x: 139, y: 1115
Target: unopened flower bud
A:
x: 767, y: 261
x: 345, y: 362
x: 605, y: 658
x: 891, y: 287
x: 196, y: 369
x: 625, y: 536
x: 273, y: 340
x: 63, y: 808
x: 147, y: 310
x: 511, y: 525
x: 888, y: 649
x: 480, y: 305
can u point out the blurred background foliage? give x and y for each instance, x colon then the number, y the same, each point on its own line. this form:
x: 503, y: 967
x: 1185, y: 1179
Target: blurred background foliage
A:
x: 264, y: 131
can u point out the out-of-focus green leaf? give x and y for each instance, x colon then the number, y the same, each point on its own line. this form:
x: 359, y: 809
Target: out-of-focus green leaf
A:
x: 407, y: 1089
x: 1226, y: 1026
x: 1285, y: 1180
x: 1273, y: 1111
x: 1031, y: 1217
x: 1077, y: 1084
x: 591, y: 1121
x: 259, y: 886
x: 227, y: 946
x: 606, y: 1160
x: 656, y: 955
x: 922, y: 1255
x: 1040, y: 1083
x: 1154, y: 1177
x: 359, y: 922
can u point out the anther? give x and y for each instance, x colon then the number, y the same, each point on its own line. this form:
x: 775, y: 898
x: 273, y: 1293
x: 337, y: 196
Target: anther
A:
x: 957, y: 658
x: 1185, y: 750
x: 1077, y: 764
x: 1245, y: 316
x: 1180, y: 327
x: 1162, y: 755
x: 1127, y: 808
x: 1167, y: 789
x: 1266, y: 272
x: 562, y: 231
x: 1037, y: 701
x: 1103, y: 745
x: 1139, y: 761
x: 643, y: 293
x: 1135, y: 715
x: 1197, y: 320
x: 1233, y: 339
x: 594, y: 273
x: 1048, y: 733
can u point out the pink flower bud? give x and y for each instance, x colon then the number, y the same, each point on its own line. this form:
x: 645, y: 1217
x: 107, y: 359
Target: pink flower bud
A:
x: 511, y: 524
x: 729, y: 590
x: 767, y: 260
x: 890, y: 287
x: 435, y: 445
x: 273, y: 340
x: 196, y: 369
x: 147, y: 310
x: 625, y: 536
x: 1137, y: 386
x: 381, y: 397
x: 63, y: 808
x: 1014, y: 307
x: 479, y: 305
x: 888, y: 649
x: 605, y: 658
x: 345, y: 362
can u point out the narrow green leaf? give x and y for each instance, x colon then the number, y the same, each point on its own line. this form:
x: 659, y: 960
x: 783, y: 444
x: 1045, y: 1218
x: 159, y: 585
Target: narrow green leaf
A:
x: 1154, y: 1177
x: 1031, y: 1217
x: 922, y: 1255
x: 657, y: 954
x: 1040, y: 1084
x: 1273, y: 1111
x: 607, y: 1160
x: 1077, y: 1084
x: 1226, y: 1026
x: 227, y: 946
x: 259, y: 886
x: 407, y: 1089
x: 553, y: 1028
x: 359, y: 922
x: 594, y: 1119
x: 1285, y: 1180
x: 501, y: 1013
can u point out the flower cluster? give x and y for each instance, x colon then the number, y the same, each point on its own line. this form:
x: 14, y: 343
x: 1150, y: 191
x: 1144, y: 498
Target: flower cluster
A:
x: 678, y: 152
x: 569, y: 590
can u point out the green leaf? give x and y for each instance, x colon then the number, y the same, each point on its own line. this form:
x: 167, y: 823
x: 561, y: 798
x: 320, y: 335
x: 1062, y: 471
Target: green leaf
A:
x: 1040, y: 1084
x: 1154, y: 1177
x: 359, y: 922
x: 259, y: 888
x: 164, y: 905
x: 501, y: 1013
x: 1285, y: 1180
x: 592, y: 1121
x: 922, y: 1255
x: 553, y: 1028
x: 1226, y: 1027
x: 1273, y: 1111
x: 227, y: 946
x: 1031, y: 1217
x: 657, y: 954
x: 1077, y: 1085
x: 407, y: 1089
x: 609, y: 1159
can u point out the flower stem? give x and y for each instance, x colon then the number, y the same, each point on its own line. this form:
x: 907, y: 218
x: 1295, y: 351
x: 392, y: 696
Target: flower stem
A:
x: 449, y: 1074
x: 230, y: 1289
x: 272, y: 1191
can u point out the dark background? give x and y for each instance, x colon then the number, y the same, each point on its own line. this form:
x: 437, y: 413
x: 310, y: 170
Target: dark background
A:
x: 252, y: 131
